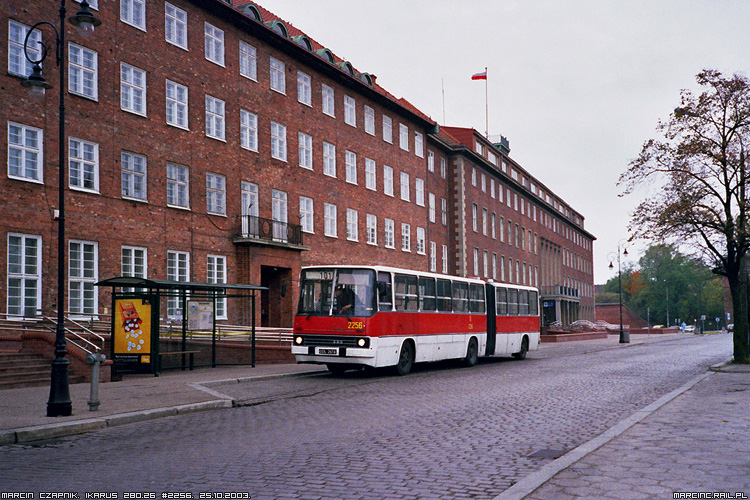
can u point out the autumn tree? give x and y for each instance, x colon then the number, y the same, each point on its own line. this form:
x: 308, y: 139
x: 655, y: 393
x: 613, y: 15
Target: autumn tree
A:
x: 698, y: 176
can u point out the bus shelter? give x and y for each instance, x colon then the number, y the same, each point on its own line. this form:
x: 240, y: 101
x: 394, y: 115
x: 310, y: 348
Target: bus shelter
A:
x: 142, y: 341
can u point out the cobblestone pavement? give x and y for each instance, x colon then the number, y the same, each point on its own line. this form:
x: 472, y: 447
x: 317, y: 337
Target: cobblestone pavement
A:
x: 441, y: 432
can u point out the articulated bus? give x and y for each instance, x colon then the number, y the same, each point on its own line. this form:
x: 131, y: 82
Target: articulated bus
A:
x: 374, y: 316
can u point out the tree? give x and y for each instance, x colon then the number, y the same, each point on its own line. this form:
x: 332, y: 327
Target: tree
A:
x: 701, y: 169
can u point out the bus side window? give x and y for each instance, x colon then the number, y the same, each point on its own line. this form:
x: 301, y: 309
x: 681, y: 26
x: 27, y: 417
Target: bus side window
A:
x: 460, y: 297
x: 406, y: 293
x: 523, y: 302
x: 533, y: 304
x: 385, y: 292
x: 502, y: 301
x: 427, y: 294
x: 512, y: 302
x: 444, y: 295
x: 476, y: 298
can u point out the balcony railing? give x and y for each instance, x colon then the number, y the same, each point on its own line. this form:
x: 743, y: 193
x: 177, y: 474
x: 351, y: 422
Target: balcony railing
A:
x: 559, y: 290
x: 258, y: 228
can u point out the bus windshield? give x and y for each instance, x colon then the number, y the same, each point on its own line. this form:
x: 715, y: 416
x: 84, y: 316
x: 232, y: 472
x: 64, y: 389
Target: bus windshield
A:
x: 337, y: 292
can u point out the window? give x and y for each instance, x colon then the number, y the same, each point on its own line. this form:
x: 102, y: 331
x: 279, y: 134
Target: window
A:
x: 484, y: 183
x: 329, y: 215
x: 177, y: 105
x: 390, y: 233
x: 278, y: 141
x: 352, y: 233
x: 248, y: 130
x: 83, y: 274
x: 370, y: 175
x: 421, y: 249
x: 350, y: 111
x: 493, y: 225
x: 427, y: 301
x: 133, y: 176
x: 133, y: 12
x: 82, y: 71
x: 249, y: 209
x: 328, y: 104
x: 476, y: 261
x: 443, y: 168
x: 24, y: 274
x: 214, y: 44
x: 216, y: 273
x: 419, y: 191
x: 178, y: 269
x: 419, y: 144
x: 407, y: 298
x: 132, y: 89
x: 460, y: 297
x: 304, y: 88
x: 444, y: 211
x: 433, y: 257
x: 372, y: 229
x: 329, y: 159
x: 175, y: 25
x: 485, y: 263
x: 216, y: 193
x: 388, y: 180
x: 25, y: 152
x: 278, y: 77
x: 387, y: 129
x: 444, y: 294
x: 351, y: 167
x: 279, y: 214
x: 404, y: 186
x: 474, y: 177
x: 484, y: 221
x: 405, y: 237
x: 306, y: 214
x: 248, y: 61
x: 178, y: 185
x: 17, y: 62
x: 83, y: 164
x: 134, y: 261
x: 385, y: 293
x: 430, y: 161
x: 474, y: 217
x: 214, y: 118
x: 445, y: 259
x: 403, y: 137
x: 305, y: 151
x: 431, y: 205
x: 369, y: 120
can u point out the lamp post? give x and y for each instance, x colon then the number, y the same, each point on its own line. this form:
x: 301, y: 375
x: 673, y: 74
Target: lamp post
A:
x: 59, y: 404
x: 624, y: 336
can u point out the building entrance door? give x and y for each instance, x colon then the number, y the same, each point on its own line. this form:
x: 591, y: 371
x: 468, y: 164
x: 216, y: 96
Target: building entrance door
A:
x: 276, y: 303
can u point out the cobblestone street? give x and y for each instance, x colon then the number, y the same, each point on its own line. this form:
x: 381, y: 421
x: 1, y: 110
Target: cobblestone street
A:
x: 441, y: 432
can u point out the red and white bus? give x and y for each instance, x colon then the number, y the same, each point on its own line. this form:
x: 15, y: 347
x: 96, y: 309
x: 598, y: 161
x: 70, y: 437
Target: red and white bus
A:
x: 376, y: 316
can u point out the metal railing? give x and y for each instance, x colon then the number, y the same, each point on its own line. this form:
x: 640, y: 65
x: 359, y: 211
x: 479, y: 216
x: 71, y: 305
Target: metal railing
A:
x: 270, y: 230
x: 81, y: 340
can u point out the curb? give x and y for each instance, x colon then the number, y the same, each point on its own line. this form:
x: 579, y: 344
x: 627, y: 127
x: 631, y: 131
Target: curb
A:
x: 533, y: 481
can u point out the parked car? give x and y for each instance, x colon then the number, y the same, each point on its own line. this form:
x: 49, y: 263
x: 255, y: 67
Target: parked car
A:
x: 730, y: 327
x: 690, y: 329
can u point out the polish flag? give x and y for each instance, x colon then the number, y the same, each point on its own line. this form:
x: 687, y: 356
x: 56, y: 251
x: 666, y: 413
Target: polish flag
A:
x: 480, y: 76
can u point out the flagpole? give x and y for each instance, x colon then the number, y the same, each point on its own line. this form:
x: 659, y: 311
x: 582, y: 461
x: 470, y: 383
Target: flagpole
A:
x: 486, y: 108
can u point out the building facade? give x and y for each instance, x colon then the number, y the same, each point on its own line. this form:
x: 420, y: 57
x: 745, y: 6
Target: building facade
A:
x: 213, y: 142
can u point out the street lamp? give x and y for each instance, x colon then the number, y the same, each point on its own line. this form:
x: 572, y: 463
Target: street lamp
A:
x: 624, y: 336
x: 59, y: 404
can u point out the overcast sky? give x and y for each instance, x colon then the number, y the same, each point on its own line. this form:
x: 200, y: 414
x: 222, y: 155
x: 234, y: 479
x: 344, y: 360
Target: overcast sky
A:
x: 577, y: 86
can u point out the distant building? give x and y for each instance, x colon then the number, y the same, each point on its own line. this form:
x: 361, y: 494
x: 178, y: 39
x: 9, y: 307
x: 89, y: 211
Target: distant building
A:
x: 217, y: 143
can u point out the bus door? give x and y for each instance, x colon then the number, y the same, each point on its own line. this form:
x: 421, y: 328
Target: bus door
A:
x: 502, y: 328
x: 491, y: 320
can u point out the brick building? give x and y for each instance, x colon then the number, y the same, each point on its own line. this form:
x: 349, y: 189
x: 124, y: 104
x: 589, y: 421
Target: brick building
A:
x: 213, y: 142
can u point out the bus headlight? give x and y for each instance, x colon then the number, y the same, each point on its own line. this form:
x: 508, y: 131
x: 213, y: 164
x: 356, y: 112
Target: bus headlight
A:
x: 362, y: 342
x: 298, y: 340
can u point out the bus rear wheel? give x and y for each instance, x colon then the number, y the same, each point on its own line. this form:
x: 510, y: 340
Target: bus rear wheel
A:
x: 405, y: 359
x: 524, y: 349
x: 472, y: 353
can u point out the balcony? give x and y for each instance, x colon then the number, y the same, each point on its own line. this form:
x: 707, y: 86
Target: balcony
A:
x: 559, y: 291
x: 262, y: 231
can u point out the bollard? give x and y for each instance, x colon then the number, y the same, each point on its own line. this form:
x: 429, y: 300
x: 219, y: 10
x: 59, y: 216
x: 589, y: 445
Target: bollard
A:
x: 95, y: 359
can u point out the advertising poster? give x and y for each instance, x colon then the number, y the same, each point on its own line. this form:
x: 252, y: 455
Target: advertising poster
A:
x: 132, y: 330
x: 200, y: 315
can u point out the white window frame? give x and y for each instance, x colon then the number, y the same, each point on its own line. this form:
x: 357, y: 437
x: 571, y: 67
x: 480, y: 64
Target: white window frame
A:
x: 178, y: 186
x: 351, y: 167
x: 431, y: 200
x: 248, y: 61
x: 17, y: 62
x: 216, y: 194
x: 26, y: 155
x: 277, y: 70
x: 418, y: 144
x: 278, y: 141
x: 421, y: 241
x: 371, y: 175
x: 329, y: 216
x: 445, y: 259
x: 25, y: 270
x: 305, y: 150
x: 419, y: 191
x: 175, y: 26
x: 350, y: 111
x: 134, y: 170
x: 133, y: 12
x: 178, y: 269
x: 215, y: 118
x: 388, y: 129
x: 433, y: 257
x: 279, y: 214
x: 372, y: 229
x: 328, y: 100
x: 176, y: 104
x: 304, y: 88
x: 403, y: 137
x: 83, y: 157
x: 329, y: 159
x: 216, y: 273
x: 248, y: 130
x: 388, y: 180
x: 390, y: 233
x: 369, y: 120
x: 83, y: 71
x: 134, y: 261
x: 133, y: 89
x: 83, y: 273
x: 430, y: 161
x: 307, y: 214
x: 352, y: 221
x: 405, y: 237
x: 404, y: 186
x: 213, y: 45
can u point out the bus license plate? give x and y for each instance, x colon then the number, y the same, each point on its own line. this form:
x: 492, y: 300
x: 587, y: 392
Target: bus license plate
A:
x: 328, y: 350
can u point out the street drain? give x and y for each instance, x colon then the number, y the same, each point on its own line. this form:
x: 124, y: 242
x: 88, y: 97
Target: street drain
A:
x: 548, y: 453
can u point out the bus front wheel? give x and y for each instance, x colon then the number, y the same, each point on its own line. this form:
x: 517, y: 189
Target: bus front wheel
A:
x: 524, y: 349
x: 472, y: 353
x: 405, y: 359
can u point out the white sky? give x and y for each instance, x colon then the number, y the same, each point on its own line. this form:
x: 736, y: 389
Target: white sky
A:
x: 577, y: 86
